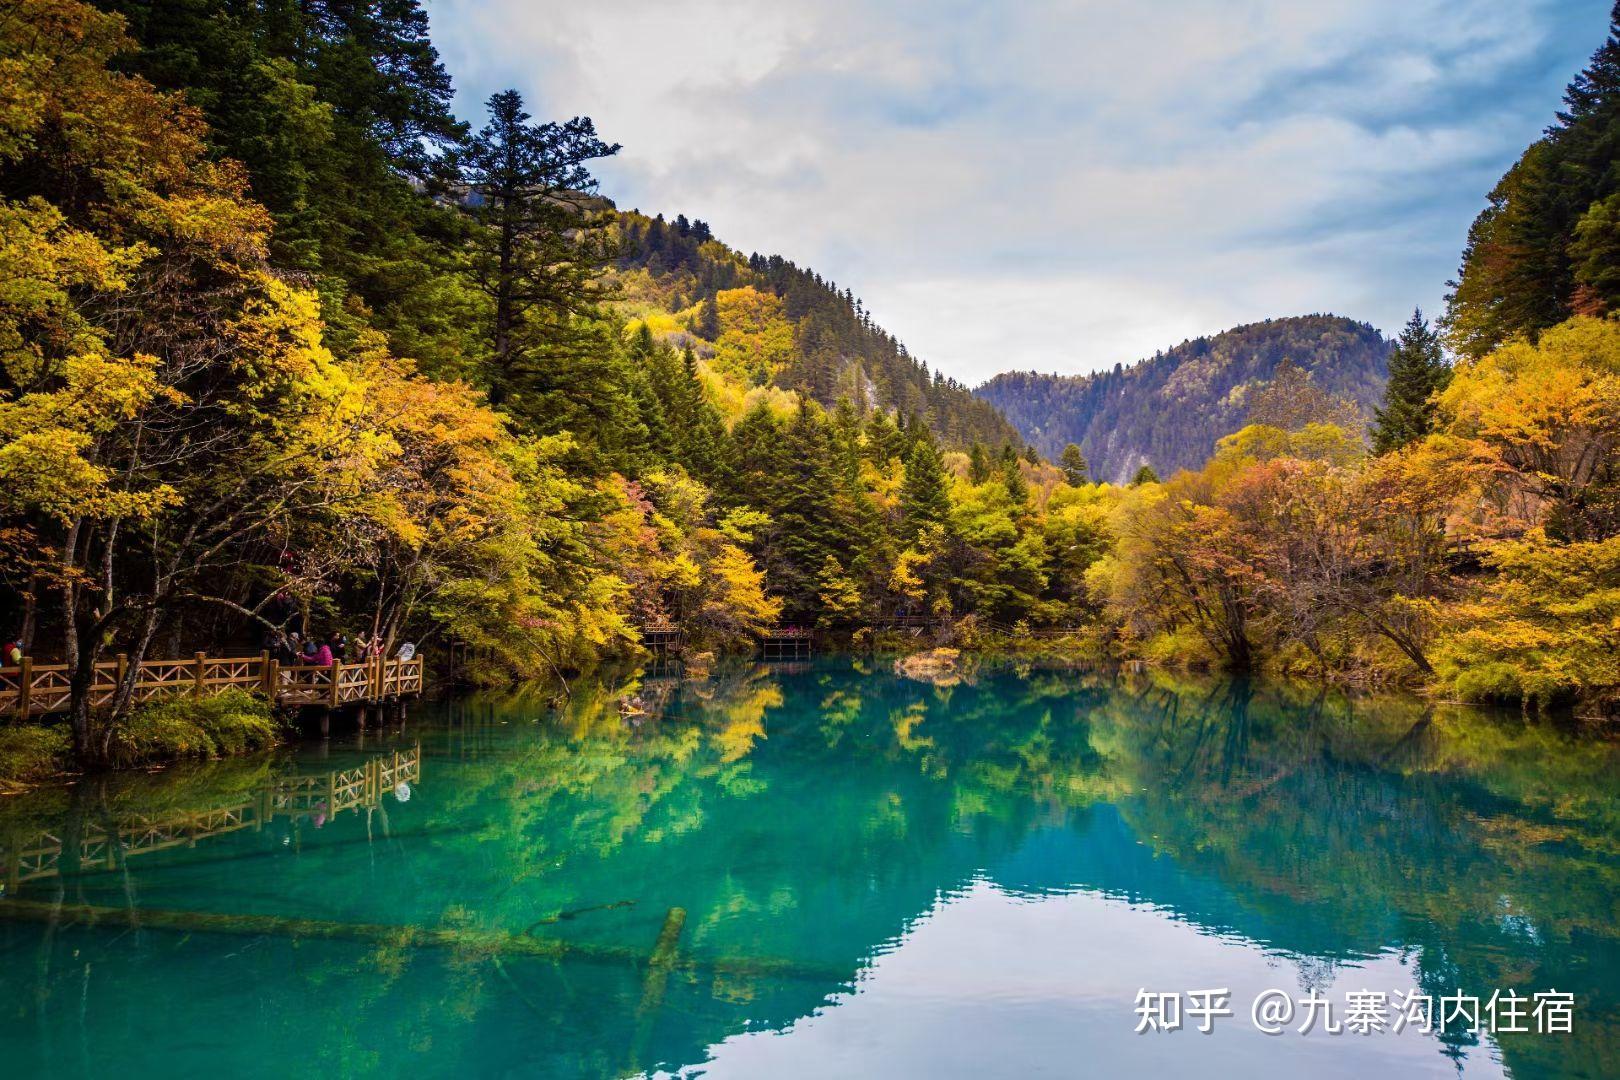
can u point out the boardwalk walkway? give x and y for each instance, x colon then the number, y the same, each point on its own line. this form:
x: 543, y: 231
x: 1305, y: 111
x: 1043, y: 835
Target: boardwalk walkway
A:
x: 41, y: 689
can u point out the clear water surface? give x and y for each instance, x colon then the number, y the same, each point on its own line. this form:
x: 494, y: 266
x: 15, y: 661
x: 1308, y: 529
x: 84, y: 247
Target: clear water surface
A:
x: 823, y: 870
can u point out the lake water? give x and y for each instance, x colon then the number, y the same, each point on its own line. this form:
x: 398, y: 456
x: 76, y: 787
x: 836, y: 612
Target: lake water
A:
x: 828, y: 870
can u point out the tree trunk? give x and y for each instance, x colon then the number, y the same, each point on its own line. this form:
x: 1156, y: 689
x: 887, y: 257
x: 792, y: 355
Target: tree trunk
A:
x: 30, y: 598
x: 124, y: 695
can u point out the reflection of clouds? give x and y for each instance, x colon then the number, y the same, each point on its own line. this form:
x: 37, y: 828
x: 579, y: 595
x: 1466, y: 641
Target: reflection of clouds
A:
x: 1077, y: 184
x: 964, y: 993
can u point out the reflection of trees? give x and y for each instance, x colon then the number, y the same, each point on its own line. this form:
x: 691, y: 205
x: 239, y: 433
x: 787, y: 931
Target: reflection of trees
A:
x: 1482, y: 847
x: 799, y: 822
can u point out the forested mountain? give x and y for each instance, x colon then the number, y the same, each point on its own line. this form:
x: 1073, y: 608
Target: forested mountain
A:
x: 763, y: 320
x: 1168, y: 411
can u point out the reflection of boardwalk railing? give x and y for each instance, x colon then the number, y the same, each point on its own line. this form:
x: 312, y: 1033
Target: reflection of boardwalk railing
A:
x: 106, y: 847
x: 38, y: 689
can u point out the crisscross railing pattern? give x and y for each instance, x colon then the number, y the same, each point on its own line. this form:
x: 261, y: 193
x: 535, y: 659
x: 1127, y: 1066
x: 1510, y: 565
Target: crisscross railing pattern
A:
x: 41, y: 689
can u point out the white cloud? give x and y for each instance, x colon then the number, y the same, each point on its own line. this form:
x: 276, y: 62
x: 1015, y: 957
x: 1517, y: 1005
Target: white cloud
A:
x: 1056, y: 184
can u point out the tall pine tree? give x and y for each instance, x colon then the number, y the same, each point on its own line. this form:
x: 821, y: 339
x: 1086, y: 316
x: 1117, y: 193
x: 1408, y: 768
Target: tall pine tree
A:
x: 924, y: 500
x: 1075, y: 469
x: 541, y: 245
x: 1417, y: 371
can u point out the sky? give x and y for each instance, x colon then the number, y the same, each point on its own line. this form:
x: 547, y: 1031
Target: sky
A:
x: 1055, y: 186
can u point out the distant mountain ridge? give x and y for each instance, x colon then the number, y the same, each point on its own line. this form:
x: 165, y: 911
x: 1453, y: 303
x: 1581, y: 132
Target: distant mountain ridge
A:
x: 767, y: 321
x: 1168, y: 411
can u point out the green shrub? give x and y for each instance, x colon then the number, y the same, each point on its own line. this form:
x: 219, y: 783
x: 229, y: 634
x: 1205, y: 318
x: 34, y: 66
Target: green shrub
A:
x: 1492, y: 681
x: 31, y: 752
x: 237, y: 721
x: 229, y: 722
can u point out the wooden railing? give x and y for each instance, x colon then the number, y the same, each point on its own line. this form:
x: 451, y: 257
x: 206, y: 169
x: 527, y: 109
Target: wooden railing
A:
x: 40, y: 689
x: 786, y: 643
x: 107, y: 845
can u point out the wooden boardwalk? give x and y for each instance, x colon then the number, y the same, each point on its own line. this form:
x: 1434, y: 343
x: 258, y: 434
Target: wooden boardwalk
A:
x: 662, y: 639
x: 667, y: 640
x: 786, y: 643
x: 107, y: 846
x: 42, y: 689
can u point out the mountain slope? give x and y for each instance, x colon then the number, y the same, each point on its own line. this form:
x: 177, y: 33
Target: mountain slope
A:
x: 764, y: 322
x: 1168, y: 411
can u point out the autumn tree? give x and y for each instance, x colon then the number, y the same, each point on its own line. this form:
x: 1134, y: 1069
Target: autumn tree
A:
x: 464, y: 527
x: 187, y: 403
x: 1539, y: 427
x: 1290, y: 399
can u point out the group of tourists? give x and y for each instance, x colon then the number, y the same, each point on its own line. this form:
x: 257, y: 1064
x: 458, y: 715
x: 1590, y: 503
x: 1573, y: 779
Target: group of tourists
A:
x: 293, y: 648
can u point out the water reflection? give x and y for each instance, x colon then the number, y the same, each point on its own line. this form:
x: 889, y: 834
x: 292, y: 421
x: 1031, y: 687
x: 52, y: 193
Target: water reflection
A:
x: 662, y: 866
x: 99, y: 835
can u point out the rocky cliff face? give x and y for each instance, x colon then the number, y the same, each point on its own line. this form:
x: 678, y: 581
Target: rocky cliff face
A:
x: 1168, y: 411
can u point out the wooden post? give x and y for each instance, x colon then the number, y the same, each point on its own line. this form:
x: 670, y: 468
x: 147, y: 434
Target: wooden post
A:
x: 25, y: 686
x: 272, y: 681
x: 377, y: 678
x: 337, y: 677
x: 197, y: 682
x: 123, y: 672
x: 264, y: 675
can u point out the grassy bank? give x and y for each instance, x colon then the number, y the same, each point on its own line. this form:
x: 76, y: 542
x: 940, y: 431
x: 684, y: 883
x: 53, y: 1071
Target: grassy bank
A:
x: 230, y: 722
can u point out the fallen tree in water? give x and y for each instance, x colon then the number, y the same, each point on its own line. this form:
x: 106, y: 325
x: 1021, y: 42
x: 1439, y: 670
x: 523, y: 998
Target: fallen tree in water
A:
x: 490, y: 943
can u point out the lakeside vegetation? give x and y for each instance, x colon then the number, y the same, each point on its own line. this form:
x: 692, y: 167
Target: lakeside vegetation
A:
x: 282, y: 338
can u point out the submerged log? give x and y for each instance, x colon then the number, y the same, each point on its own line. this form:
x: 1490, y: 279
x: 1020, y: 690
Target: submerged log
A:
x: 493, y: 943
x: 654, y: 983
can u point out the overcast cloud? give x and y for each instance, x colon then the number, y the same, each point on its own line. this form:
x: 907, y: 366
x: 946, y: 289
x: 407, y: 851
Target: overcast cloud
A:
x: 1057, y: 186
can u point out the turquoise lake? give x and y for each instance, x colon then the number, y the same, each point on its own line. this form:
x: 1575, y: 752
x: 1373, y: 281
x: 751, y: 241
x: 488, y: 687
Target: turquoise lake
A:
x: 827, y: 870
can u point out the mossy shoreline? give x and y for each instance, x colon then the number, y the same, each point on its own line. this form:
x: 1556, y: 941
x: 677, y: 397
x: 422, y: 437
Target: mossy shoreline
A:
x: 158, y: 733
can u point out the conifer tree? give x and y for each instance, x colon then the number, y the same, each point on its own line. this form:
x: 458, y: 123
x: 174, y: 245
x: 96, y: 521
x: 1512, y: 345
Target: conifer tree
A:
x: 708, y: 320
x: 923, y: 497
x: 804, y: 506
x: 1417, y: 372
x: 539, y: 248
x: 978, y: 463
x: 1075, y: 468
x: 1017, y: 486
x: 1540, y: 250
x: 1144, y: 475
x: 885, y: 440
